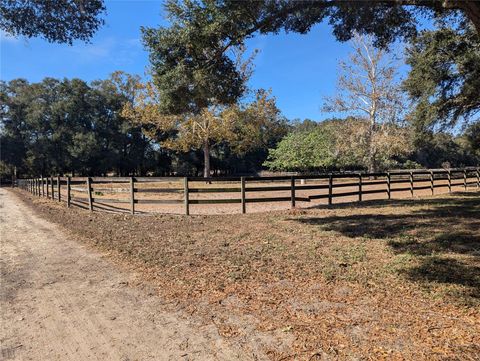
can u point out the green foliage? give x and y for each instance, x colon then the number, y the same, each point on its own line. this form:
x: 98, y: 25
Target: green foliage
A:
x: 472, y: 139
x: 192, y: 60
x: 304, y: 151
x: 189, y: 65
x: 57, y: 127
x: 60, y: 21
x: 71, y: 127
x: 441, y: 149
x: 444, y: 80
x: 339, y: 144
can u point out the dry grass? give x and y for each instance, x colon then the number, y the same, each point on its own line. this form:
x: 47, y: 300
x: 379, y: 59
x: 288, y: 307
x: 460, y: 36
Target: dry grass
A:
x: 393, y: 280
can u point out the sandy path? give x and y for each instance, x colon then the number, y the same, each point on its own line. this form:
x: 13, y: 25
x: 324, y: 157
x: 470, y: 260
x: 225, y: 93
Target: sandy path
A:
x: 61, y: 301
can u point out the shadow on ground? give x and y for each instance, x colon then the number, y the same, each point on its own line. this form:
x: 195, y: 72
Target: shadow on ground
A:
x: 441, y: 234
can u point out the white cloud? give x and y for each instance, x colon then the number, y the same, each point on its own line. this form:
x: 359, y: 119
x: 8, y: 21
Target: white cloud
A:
x: 119, y: 51
x: 94, y: 51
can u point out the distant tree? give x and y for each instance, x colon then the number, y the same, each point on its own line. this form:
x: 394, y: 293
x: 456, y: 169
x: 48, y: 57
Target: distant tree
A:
x: 13, y: 138
x: 444, y: 150
x: 303, y: 125
x: 128, y: 146
x: 367, y: 88
x: 256, y: 124
x: 241, y: 127
x: 60, y: 21
x: 444, y: 80
x: 339, y: 144
x: 472, y: 138
x: 69, y: 126
x: 306, y: 150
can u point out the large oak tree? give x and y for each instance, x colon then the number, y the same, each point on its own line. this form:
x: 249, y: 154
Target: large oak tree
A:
x: 192, y: 62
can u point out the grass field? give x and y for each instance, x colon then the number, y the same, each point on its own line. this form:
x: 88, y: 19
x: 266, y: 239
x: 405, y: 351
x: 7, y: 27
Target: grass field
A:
x: 375, y: 280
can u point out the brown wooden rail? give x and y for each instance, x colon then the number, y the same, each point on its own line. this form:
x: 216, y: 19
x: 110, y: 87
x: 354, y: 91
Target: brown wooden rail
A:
x: 91, y: 188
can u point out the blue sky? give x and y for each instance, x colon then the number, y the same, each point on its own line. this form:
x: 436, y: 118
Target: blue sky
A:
x: 299, y: 69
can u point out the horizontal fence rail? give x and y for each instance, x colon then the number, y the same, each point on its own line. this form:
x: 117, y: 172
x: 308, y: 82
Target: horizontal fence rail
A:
x: 128, y: 194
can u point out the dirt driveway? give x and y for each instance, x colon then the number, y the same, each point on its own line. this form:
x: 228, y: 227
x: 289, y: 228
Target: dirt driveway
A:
x: 62, y: 301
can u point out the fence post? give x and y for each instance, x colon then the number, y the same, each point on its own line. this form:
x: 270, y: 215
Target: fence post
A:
x: 59, y: 188
x: 242, y: 191
x: 330, y: 189
x: 132, y: 193
x: 68, y: 192
x: 465, y: 178
x: 53, y: 189
x: 478, y: 177
x: 359, y: 187
x: 187, y: 205
x: 449, y: 181
x: 411, y: 183
x: 292, y: 191
x: 48, y: 186
x: 43, y: 186
x: 389, y: 189
x: 431, y: 181
x: 89, y: 192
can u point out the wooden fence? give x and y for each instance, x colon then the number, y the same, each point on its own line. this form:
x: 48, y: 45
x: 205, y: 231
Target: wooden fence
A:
x: 128, y: 193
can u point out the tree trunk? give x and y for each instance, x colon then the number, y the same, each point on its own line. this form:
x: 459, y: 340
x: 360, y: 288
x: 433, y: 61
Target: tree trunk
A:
x: 206, y: 159
x: 372, y: 166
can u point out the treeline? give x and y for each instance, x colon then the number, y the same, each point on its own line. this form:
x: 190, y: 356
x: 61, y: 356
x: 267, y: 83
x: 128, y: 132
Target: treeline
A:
x: 339, y: 144
x: 74, y: 127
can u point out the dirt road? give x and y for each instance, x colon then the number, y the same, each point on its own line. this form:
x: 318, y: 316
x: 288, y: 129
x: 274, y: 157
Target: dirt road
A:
x: 62, y: 301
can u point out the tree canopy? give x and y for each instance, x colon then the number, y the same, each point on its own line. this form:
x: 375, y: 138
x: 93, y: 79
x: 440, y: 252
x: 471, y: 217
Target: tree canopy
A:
x: 368, y: 88
x: 340, y: 144
x: 444, y: 80
x: 60, y: 21
x: 192, y: 60
x: 72, y: 127
x: 241, y: 126
x: 68, y: 126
